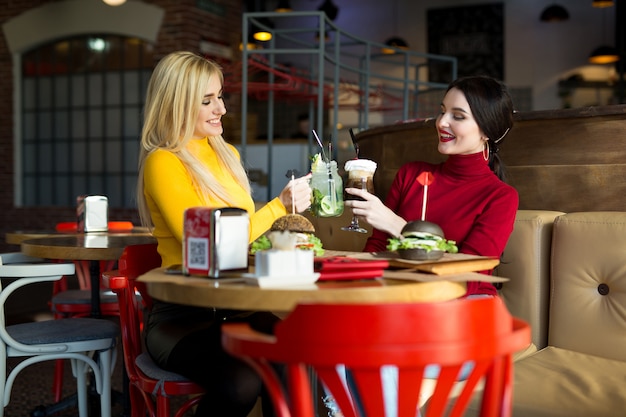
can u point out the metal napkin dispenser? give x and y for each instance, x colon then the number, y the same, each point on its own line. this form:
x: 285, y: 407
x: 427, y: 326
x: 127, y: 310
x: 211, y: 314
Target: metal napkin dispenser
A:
x: 215, y: 241
x: 92, y: 213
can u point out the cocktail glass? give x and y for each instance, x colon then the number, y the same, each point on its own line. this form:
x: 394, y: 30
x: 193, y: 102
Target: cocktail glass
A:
x: 360, y: 175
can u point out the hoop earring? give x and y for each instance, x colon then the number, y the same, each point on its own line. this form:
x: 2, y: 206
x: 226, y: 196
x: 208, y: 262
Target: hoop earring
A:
x: 486, y: 150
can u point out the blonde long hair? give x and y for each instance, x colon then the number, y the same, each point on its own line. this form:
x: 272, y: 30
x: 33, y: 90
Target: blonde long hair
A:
x: 173, y: 99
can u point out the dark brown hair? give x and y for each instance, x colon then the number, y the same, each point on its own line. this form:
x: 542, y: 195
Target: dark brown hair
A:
x: 492, y: 107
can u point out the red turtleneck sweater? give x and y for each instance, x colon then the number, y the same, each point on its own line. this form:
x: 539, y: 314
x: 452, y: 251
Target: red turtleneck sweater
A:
x: 468, y: 201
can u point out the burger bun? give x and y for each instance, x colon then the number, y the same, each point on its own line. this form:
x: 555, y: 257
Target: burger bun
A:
x: 418, y: 254
x: 293, y: 223
x: 420, y: 228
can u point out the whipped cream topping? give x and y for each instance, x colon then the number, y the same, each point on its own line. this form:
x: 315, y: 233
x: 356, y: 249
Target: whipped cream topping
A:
x: 360, y: 165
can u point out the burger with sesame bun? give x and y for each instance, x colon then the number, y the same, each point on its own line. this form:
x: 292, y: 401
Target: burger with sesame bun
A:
x: 421, y: 240
x: 292, y: 231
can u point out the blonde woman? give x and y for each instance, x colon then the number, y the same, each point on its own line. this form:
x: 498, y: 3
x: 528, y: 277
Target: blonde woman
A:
x: 184, y: 162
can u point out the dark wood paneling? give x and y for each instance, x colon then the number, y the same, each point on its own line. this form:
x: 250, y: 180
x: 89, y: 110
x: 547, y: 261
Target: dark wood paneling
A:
x: 590, y: 140
x: 571, y: 188
x: 565, y: 160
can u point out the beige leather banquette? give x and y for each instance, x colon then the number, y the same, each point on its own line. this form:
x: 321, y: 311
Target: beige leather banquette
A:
x: 526, y: 263
x: 582, y: 371
x: 567, y: 278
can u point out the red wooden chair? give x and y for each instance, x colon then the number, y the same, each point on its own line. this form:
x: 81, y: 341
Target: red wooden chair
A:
x: 117, y: 226
x: 364, y: 338
x: 150, y: 386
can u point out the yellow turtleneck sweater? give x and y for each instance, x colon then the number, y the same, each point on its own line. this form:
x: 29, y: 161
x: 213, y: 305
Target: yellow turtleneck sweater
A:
x: 169, y: 192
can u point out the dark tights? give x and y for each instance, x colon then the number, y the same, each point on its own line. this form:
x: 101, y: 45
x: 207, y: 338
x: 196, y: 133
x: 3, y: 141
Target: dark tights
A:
x: 232, y: 387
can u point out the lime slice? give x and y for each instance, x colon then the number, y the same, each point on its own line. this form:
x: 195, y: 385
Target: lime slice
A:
x: 327, y: 206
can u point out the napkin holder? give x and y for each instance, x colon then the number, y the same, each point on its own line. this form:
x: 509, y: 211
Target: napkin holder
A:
x: 215, y: 241
x: 92, y: 213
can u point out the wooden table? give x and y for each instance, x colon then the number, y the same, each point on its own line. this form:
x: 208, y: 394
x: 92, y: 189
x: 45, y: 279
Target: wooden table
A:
x: 220, y: 293
x: 85, y: 249
x: 87, y: 246
x: 411, y: 281
x: 18, y: 236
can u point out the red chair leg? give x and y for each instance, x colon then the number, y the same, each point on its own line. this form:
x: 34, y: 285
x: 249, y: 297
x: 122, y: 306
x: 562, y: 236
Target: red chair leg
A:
x: 163, y: 406
x: 137, y: 402
x: 188, y: 405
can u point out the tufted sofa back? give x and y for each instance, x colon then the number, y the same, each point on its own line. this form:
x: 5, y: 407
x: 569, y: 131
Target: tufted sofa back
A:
x: 526, y: 263
x: 588, y: 284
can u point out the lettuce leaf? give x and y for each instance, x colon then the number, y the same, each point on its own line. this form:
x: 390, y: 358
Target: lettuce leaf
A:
x: 432, y: 243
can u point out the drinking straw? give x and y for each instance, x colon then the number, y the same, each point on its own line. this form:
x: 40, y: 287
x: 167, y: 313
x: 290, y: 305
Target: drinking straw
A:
x: 356, y: 145
x: 331, y: 180
x: 319, y: 142
x: 293, y: 200
x: 425, y: 178
x: 424, y: 202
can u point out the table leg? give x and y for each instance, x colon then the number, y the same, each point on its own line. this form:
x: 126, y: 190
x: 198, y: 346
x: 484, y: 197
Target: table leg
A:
x: 94, y: 274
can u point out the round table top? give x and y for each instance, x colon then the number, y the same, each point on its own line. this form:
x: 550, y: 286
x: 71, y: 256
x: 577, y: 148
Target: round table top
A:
x: 233, y: 294
x: 88, y: 246
x: 16, y: 237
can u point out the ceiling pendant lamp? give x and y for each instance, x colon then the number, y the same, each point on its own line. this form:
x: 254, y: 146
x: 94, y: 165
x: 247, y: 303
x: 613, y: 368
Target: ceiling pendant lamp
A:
x: 114, y: 2
x: 394, y: 43
x: 250, y: 45
x: 554, y: 13
x: 326, y: 36
x: 283, y: 6
x: 330, y: 9
x: 602, y: 3
x: 262, y: 30
x: 604, y: 55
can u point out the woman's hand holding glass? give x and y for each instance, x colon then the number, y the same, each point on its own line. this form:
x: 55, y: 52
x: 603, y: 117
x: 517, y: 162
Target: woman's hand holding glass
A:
x: 372, y: 210
x: 360, y: 187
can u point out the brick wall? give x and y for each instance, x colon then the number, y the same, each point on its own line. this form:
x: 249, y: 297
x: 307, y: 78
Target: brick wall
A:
x: 185, y: 25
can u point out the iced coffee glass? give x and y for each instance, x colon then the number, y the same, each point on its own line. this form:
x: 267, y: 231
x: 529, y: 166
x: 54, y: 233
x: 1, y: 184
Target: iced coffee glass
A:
x: 360, y: 175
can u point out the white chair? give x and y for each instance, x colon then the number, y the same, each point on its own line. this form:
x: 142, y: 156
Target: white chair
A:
x: 88, y: 343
